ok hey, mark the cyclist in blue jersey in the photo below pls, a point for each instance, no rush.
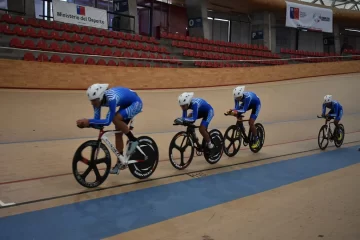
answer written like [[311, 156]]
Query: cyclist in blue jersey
[[336, 111], [130, 105], [200, 109], [245, 101]]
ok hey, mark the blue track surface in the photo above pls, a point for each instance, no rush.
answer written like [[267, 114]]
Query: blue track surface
[[108, 216]]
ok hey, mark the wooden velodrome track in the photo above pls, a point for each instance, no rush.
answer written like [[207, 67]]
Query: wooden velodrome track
[[39, 136]]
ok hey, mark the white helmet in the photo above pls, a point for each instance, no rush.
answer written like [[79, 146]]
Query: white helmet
[[185, 98], [96, 90], [327, 98], [238, 91]]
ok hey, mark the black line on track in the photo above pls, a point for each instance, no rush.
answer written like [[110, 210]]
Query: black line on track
[[154, 179]]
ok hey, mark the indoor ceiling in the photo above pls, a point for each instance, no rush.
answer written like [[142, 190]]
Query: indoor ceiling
[[341, 4]]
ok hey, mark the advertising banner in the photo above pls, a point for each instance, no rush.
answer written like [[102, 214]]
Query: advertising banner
[[81, 15], [309, 17]]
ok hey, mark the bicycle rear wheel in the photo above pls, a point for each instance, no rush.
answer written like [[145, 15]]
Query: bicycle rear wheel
[[261, 135], [91, 164], [340, 131], [146, 167], [218, 140]]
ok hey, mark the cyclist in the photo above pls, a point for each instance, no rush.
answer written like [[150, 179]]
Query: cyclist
[[130, 105], [245, 101], [200, 109], [336, 111]]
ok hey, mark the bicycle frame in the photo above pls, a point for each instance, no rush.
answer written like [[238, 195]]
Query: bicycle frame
[[328, 122], [103, 137]]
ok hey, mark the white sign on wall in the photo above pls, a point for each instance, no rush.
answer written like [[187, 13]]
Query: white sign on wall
[[309, 17], [81, 15]]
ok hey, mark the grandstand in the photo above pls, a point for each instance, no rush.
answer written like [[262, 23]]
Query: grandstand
[[34, 39]]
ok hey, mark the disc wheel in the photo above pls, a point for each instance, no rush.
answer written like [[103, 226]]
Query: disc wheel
[[146, 167], [340, 131], [261, 135], [91, 165], [216, 153]]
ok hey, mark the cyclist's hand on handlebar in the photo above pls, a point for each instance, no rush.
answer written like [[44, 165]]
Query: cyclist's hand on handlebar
[[178, 121], [82, 123]]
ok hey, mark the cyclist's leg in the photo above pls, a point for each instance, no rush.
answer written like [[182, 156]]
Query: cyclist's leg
[[204, 126], [254, 114], [126, 115], [121, 121], [336, 122]]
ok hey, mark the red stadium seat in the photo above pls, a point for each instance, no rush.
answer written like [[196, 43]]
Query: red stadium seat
[[107, 52], [54, 47], [29, 44], [101, 62], [55, 59], [65, 48], [32, 22], [79, 60], [117, 53], [90, 61], [88, 50], [29, 57], [41, 45], [98, 51], [16, 43], [31, 32], [68, 59], [20, 20], [42, 58], [111, 63]]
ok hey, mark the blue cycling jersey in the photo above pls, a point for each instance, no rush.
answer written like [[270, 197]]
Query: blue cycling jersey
[[115, 97], [249, 101], [335, 109], [200, 109]]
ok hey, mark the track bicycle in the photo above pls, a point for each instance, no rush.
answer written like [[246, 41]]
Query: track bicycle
[[237, 134], [326, 133], [142, 162], [189, 139]]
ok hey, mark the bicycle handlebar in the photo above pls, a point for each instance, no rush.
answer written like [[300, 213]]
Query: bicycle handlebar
[[187, 124], [327, 118]]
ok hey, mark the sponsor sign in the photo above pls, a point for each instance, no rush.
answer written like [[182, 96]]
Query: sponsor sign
[[309, 17], [80, 15]]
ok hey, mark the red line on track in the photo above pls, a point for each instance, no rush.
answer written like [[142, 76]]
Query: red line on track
[[65, 174]]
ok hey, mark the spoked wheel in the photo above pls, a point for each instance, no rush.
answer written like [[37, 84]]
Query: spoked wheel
[[323, 140], [218, 140], [233, 135], [88, 171], [146, 167], [338, 142], [261, 135], [181, 142]]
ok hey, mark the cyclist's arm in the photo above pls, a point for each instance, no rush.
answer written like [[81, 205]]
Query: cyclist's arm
[[237, 105], [109, 117], [335, 112], [323, 110], [246, 105], [195, 108]]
